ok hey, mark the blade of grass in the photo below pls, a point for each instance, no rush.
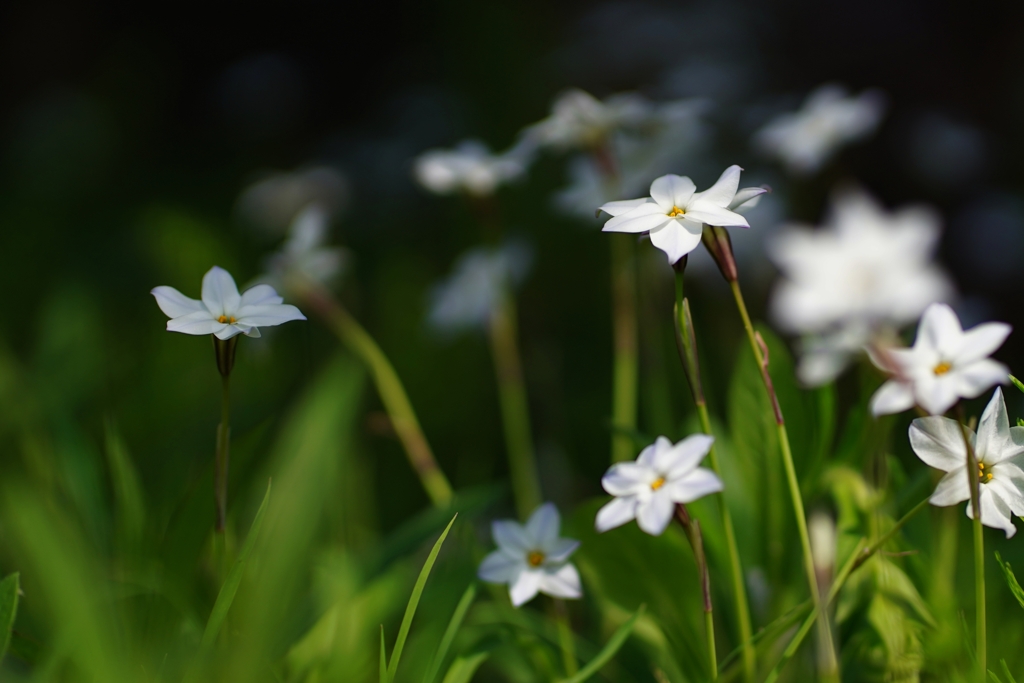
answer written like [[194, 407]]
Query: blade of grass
[[449, 633], [1006, 671], [609, 650], [383, 657], [1011, 580], [463, 668], [8, 610], [227, 592], [414, 601]]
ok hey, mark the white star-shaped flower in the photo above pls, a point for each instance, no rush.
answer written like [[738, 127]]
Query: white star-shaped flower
[[467, 298], [223, 312], [580, 120], [470, 168], [998, 447], [304, 255], [806, 139], [944, 365], [532, 558], [649, 488], [675, 213]]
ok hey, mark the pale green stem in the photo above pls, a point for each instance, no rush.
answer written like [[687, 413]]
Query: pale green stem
[[220, 468], [684, 327], [625, 366], [565, 638], [515, 411], [974, 484], [787, 458], [691, 527]]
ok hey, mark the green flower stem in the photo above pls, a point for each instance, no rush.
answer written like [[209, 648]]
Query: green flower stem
[[515, 411], [688, 352], [565, 638], [973, 484], [691, 527], [624, 337], [220, 466], [787, 454], [389, 387]]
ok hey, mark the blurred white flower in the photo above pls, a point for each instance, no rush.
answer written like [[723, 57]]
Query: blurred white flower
[[304, 256], [804, 140], [647, 490], [532, 558], [939, 442], [579, 120], [675, 214], [272, 203], [944, 365], [470, 168], [865, 272], [223, 312], [479, 279]]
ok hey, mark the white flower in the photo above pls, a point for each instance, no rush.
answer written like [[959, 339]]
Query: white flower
[[304, 254], [865, 272], [273, 203], [647, 490], [675, 214], [531, 558], [468, 296], [805, 139], [944, 365], [470, 167], [579, 120], [997, 447], [223, 312]]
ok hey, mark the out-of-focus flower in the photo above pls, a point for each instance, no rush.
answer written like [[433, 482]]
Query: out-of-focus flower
[[866, 272], [944, 365], [998, 447], [470, 168], [532, 558], [273, 203], [579, 120], [804, 140], [223, 312], [675, 213], [480, 278], [304, 256], [647, 490]]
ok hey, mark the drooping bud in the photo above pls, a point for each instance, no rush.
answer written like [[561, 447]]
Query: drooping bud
[[719, 245], [224, 351]]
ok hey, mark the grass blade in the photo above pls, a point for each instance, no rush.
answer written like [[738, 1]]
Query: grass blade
[[449, 633], [1006, 671], [608, 651], [414, 601], [1011, 580], [383, 657], [463, 668], [8, 610], [227, 592]]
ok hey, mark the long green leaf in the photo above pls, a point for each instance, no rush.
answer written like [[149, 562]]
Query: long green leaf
[[1011, 580], [131, 508], [463, 668], [608, 651], [414, 601], [449, 633], [383, 657], [227, 592], [8, 610], [1006, 671]]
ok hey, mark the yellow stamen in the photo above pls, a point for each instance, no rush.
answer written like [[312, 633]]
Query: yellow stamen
[[676, 212], [942, 368], [227, 319], [983, 476], [535, 558], [657, 483]]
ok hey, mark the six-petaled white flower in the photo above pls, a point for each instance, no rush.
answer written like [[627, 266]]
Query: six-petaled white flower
[[468, 297], [649, 488], [470, 168], [675, 213], [304, 256], [944, 365], [532, 558], [223, 312], [805, 139], [998, 448]]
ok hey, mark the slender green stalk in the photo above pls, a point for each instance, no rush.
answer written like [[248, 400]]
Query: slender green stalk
[[974, 484], [220, 466], [688, 352], [624, 337], [515, 412], [389, 387], [691, 527], [565, 638]]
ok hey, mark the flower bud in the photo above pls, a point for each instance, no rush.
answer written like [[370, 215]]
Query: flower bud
[[224, 351], [719, 245]]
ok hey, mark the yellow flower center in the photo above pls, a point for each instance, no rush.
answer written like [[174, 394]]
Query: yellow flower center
[[942, 368], [657, 483], [535, 558], [676, 212], [983, 476], [227, 319]]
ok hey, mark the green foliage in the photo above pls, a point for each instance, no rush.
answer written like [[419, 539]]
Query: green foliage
[[9, 589], [609, 650], [1011, 580]]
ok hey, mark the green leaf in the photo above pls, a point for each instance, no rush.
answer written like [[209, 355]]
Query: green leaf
[[8, 610], [608, 651], [414, 601], [463, 668], [227, 592], [1006, 671], [383, 657], [1017, 383], [1011, 580], [131, 510], [449, 633]]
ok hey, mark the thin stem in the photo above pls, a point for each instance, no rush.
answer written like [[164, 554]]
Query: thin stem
[[389, 387], [691, 527], [688, 351], [514, 407], [787, 454], [624, 338], [220, 466], [565, 638], [974, 485], [709, 629]]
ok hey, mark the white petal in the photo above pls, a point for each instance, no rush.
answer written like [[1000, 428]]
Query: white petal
[[976, 378], [640, 219], [623, 206], [253, 333], [199, 322], [684, 456], [993, 429], [174, 304], [724, 190], [220, 295], [1007, 490], [525, 587], [951, 489], [511, 537], [649, 455], [892, 397], [560, 550], [266, 315], [260, 294], [746, 198], [654, 515], [563, 583], [672, 190], [499, 567], [715, 215], [938, 394], [939, 328], [939, 443], [543, 526], [624, 478], [696, 484], [229, 331], [675, 240], [981, 342], [995, 513], [616, 513]]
